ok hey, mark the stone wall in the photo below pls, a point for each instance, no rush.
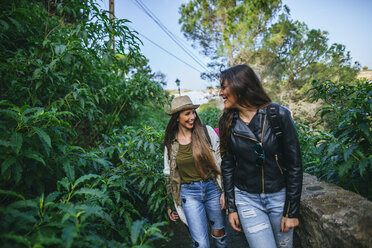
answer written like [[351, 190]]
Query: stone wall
[[332, 217]]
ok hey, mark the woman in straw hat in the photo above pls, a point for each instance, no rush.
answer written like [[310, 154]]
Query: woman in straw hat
[[192, 167]]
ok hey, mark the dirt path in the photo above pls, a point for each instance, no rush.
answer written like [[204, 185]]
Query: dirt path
[[182, 239]]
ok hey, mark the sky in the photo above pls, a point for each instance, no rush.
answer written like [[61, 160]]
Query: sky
[[349, 22]]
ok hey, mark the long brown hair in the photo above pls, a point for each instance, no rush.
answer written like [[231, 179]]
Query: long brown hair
[[201, 151], [248, 91]]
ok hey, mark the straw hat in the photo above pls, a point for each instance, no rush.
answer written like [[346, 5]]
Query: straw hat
[[181, 103]]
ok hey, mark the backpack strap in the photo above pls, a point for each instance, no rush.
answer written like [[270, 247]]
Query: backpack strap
[[207, 134], [274, 118]]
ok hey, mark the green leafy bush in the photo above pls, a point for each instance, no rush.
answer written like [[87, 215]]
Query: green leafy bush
[[101, 201], [71, 66], [139, 153], [210, 116], [33, 147], [92, 211], [71, 174], [342, 152]]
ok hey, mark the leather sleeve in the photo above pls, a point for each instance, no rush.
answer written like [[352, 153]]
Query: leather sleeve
[[228, 167], [293, 162]]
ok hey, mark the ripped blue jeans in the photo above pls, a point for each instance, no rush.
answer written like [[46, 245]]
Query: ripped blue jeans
[[261, 216], [200, 200]]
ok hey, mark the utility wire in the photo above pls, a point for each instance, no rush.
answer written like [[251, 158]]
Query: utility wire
[[169, 33], [171, 54], [148, 12]]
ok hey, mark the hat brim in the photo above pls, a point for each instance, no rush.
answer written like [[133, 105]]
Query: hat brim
[[184, 107]]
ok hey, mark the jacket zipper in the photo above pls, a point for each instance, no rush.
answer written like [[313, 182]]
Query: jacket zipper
[[262, 170], [289, 203], [277, 162], [243, 136], [263, 181]]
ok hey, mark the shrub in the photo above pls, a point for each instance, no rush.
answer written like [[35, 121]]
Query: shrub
[[59, 56], [210, 116], [71, 174], [342, 153], [108, 196]]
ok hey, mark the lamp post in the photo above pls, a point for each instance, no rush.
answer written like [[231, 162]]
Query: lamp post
[[178, 85]]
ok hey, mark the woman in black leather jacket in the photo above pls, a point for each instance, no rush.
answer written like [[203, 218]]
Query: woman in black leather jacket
[[261, 161]]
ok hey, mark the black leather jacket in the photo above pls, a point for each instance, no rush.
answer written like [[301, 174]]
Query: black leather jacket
[[282, 166]]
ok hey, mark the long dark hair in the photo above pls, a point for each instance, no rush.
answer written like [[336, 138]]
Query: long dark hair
[[201, 151], [248, 91]]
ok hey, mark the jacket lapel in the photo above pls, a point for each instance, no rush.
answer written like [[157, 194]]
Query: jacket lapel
[[242, 129]]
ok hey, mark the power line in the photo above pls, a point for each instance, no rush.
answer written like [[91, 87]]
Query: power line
[[171, 54], [148, 12], [169, 33]]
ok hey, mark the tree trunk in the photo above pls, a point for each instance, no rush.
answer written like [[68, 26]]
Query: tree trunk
[[291, 91], [231, 62]]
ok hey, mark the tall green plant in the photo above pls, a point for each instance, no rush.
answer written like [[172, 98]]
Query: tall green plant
[[342, 152], [139, 153], [33, 147], [63, 93], [92, 211], [210, 116], [60, 56]]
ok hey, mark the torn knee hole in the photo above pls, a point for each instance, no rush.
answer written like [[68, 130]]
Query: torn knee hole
[[284, 244], [218, 233]]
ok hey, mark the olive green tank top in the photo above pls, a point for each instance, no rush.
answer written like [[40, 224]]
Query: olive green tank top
[[186, 165]]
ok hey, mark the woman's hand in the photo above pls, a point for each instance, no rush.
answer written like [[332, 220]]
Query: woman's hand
[[288, 223], [173, 215], [234, 221], [222, 201]]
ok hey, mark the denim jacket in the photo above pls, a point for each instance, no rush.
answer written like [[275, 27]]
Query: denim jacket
[[173, 177]]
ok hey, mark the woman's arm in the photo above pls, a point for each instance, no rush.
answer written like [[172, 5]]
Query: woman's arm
[[173, 215], [166, 169], [292, 158], [228, 167], [215, 142], [166, 172]]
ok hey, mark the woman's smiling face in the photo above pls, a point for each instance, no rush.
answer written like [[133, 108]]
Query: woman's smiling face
[[186, 118], [229, 99]]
